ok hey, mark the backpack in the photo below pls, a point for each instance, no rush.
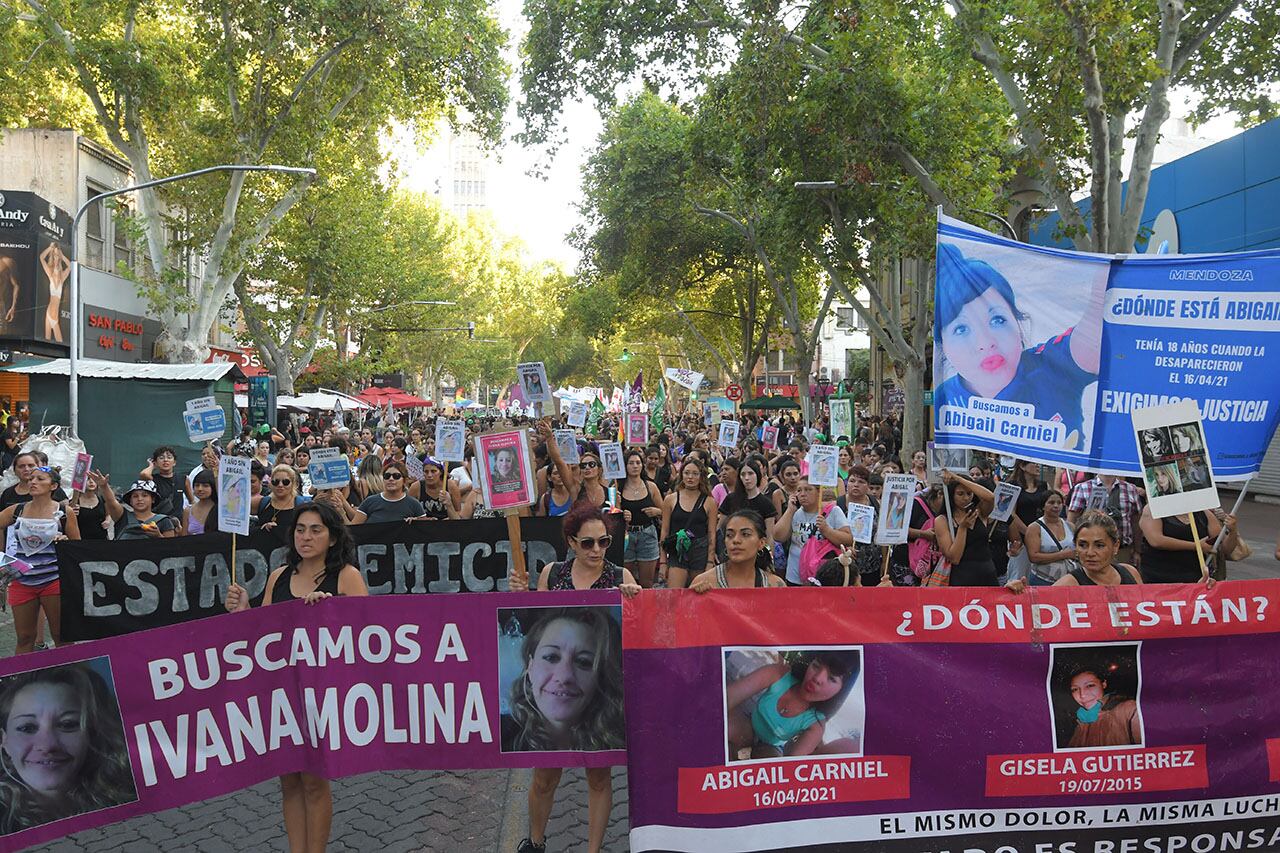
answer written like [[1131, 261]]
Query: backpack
[[816, 551], [923, 555]]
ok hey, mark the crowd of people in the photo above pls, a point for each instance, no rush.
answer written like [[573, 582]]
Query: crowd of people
[[697, 515]]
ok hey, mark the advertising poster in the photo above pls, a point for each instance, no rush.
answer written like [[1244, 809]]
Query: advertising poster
[[1114, 730], [824, 465], [567, 442], [613, 464], [1175, 459], [1006, 500], [842, 420], [234, 494], [637, 431], [533, 383], [451, 440], [1044, 353], [356, 685], [506, 469], [17, 283], [729, 434], [895, 509]]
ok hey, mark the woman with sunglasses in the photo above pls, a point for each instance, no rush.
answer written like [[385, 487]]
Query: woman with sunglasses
[[582, 481], [585, 531], [276, 513], [393, 504]]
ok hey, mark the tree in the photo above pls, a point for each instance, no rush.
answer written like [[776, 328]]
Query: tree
[[176, 86], [1082, 77]]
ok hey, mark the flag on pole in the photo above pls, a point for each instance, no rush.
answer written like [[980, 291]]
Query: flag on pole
[[657, 411], [594, 416], [637, 391]]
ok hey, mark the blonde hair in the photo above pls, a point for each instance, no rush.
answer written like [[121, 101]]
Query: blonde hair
[[293, 476]]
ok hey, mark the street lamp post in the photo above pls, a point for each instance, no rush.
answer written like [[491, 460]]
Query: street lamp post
[[75, 337]]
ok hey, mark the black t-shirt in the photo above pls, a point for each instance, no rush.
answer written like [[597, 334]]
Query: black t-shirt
[[10, 497], [759, 503], [168, 496]]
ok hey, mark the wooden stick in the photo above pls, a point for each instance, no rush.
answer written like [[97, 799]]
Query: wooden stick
[[884, 563], [233, 558], [518, 567], [1195, 534]]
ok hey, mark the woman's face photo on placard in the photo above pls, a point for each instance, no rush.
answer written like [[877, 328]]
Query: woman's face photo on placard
[[1163, 480], [1094, 694], [1156, 445], [62, 745], [560, 679], [1186, 438], [785, 702]]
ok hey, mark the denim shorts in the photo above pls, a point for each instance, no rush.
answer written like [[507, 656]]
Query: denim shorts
[[642, 544]]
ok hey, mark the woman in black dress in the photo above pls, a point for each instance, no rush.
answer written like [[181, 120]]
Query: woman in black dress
[[969, 548]]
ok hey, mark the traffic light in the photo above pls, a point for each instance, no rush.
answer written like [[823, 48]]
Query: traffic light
[[626, 355], [471, 330]]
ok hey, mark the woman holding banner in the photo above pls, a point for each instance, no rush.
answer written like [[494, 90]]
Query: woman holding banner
[[1097, 543], [31, 529], [594, 721], [968, 549], [320, 564], [1169, 547], [745, 536]]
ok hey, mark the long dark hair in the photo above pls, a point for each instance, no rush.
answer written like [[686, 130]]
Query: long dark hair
[[844, 663], [341, 553], [206, 478], [738, 497]]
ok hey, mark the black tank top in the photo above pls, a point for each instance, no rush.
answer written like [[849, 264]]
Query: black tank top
[[282, 592], [1161, 566], [637, 508], [695, 522], [1082, 577]]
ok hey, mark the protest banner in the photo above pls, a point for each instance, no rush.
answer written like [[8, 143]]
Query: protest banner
[[577, 414], [824, 465], [728, 434], [1175, 459], [451, 440], [533, 383], [234, 494], [637, 432], [842, 419], [506, 469], [111, 588], [1173, 327], [80, 473], [1167, 756], [414, 466], [353, 685], [204, 419], [567, 442], [1006, 500], [613, 464], [685, 378], [328, 468], [895, 503]]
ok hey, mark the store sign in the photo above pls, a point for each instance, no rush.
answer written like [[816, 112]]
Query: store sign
[[117, 336]]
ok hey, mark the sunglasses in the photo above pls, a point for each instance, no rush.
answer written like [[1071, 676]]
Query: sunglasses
[[589, 464], [282, 482], [395, 476], [588, 543]]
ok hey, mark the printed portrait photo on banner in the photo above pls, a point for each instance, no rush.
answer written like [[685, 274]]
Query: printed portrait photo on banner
[[612, 464], [560, 679], [1008, 328], [789, 702], [1094, 696], [62, 745]]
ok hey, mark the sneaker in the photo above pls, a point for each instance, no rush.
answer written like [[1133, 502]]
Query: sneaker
[[527, 846]]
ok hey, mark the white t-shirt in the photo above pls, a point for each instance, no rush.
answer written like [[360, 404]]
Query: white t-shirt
[[460, 476], [803, 526]]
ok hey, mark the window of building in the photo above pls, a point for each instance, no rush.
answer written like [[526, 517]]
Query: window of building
[[95, 231], [123, 253], [848, 318]]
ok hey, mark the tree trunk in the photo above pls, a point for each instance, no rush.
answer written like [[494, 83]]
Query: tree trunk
[[913, 413]]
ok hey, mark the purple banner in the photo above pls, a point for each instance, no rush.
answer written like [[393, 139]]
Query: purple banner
[[111, 729]]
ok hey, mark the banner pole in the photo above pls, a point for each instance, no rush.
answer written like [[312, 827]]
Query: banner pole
[[1235, 508], [233, 558], [946, 497], [518, 567], [1195, 534]]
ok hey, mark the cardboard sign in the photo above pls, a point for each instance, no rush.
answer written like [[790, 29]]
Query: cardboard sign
[[80, 474], [505, 466], [1175, 459], [895, 509], [567, 442], [204, 420], [234, 494], [637, 429], [947, 459], [729, 434], [414, 466], [862, 521], [613, 464], [769, 437], [1006, 500], [577, 414], [451, 440], [533, 382], [328, 468], [824, 465], [841, 419]]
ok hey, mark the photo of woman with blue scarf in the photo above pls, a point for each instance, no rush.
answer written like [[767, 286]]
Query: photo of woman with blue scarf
[[1093, 693], [982, 348]]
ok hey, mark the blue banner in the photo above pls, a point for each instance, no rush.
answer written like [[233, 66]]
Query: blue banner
[[1043, 353]]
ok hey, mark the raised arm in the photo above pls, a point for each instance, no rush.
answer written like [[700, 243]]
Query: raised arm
[[103, 482]]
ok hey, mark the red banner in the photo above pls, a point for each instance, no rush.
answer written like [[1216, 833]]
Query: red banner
[[718, 790], [1168, 768]]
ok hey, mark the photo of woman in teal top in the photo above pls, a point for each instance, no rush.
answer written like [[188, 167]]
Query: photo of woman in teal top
[[794, 700]]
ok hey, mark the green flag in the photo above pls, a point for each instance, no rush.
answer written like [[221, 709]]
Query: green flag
[[657, 410], [594, 416]]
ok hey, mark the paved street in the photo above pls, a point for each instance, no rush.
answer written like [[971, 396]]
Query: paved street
[[411, 811]]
